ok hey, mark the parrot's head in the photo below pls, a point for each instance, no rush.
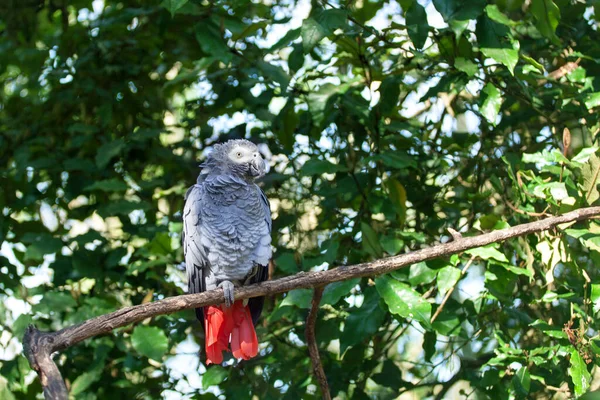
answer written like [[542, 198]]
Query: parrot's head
[[240, 157]]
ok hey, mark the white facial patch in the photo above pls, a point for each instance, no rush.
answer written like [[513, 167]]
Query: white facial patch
[[241, 155]]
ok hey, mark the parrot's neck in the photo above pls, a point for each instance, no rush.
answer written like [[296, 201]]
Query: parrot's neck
[[217, 177]]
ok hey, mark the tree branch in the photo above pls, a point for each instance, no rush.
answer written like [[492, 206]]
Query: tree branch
[[40, 345], [313, 348]]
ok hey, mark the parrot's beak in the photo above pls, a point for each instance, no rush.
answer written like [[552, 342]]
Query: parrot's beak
[[257, 167]]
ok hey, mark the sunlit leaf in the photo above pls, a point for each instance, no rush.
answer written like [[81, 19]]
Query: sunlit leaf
[[447, 277], [300, 298], [497, 43], [466, 66], [213, 376], [487, 252], [591, 178], [579, 373], [492, 101], [403, 300], [150, 341], [421, 274]]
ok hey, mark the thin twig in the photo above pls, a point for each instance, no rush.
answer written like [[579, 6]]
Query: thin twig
[[528, 213], [449, 292], [38, 344], [313, 348]]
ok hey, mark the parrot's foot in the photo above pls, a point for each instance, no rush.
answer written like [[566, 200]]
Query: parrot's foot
[[227, 292]]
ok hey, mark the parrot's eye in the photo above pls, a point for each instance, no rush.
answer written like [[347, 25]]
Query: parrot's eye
[[238, 154]]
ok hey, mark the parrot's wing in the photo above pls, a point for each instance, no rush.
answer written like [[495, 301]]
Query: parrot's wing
[[193, 250], [256, 303], [266, 206]]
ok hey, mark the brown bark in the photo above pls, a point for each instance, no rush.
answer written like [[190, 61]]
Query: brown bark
[[313, 347]]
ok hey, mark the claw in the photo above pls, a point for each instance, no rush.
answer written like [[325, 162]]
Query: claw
[[227, 292]]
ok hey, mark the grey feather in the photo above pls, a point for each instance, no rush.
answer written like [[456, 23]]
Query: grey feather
[[227, 223]]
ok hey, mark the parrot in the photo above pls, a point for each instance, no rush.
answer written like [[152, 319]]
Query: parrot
[[227, 243]]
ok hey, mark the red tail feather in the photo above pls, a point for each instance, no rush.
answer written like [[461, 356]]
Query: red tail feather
[[223, 325]]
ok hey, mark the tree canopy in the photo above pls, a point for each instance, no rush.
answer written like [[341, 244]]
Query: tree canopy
[[385, 124]]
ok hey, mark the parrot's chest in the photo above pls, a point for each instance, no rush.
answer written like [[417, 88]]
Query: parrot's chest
[[234, 226]]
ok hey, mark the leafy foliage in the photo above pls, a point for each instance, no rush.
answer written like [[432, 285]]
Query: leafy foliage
[[385, 123]]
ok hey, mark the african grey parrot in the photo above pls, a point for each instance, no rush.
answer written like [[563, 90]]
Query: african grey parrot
[[227, 243]]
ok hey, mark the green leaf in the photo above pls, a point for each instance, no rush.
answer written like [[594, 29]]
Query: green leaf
[[20, 325], [161, 244], [334, 292], [429, 342], [173, 5], [56, 302], [389, 94], [447, 278], [44, 244], [370, 240], [397, 196], [150, 341], [416, 25], [107, 151], [545, 157], [533, 63], [584, 155], [466, 66], [403, 300], [5, 392], [212, 43], [318, 167], [286, 262], [595, 297], [312, 32], [579, 373], [459, 10], [390, 376], [592, 100], [591, 179], [84, 381], [121, 207], [420, 274], [275, 73], [108, 185], [496, 42], [487, 252], [286, 40], [285, 124], [447, 324], [363, 322], [391, 245], [492, 101], [547, 16], [296, 58], [552, 331], [522, 382], [214, 375], [300, 298], [518, 271], [324, 23], [396, 159], [494, 13]]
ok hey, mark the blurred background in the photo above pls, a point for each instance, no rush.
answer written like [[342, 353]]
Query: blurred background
[[383, 123]]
